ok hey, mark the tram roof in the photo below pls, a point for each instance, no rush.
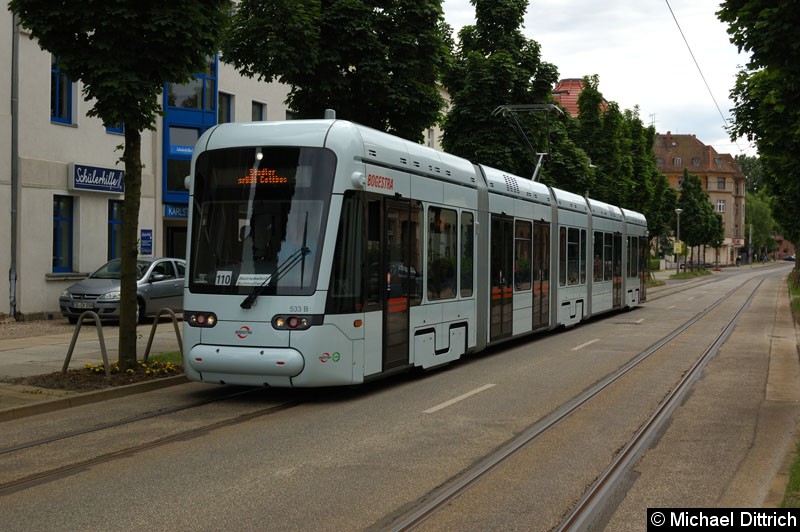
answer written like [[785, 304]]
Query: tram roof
[[502, 182], [605, 210]]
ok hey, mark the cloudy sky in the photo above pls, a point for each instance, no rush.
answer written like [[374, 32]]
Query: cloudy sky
[[636, 48]]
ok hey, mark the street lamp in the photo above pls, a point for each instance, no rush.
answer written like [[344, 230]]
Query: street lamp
[[677, 242]]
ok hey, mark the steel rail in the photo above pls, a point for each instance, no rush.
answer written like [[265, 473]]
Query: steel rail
[[438, 499], [590, 506]]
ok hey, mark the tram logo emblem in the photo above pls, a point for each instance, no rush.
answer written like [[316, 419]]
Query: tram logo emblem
[[324, 357], [243, 332]]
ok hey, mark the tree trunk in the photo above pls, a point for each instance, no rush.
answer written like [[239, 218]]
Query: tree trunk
[[132, 157]]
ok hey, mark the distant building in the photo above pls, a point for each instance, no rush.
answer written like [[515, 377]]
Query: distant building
[[566, 94], [722, 179]]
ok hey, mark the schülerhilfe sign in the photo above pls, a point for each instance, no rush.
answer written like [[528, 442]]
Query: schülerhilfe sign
[[96, 179]]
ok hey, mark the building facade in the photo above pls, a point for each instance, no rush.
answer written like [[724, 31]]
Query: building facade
[[61, 180], [722, 179]]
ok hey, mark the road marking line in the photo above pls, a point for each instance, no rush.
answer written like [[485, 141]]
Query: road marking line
[[640, 320], [673, 306], [457, 399], [590, 342]]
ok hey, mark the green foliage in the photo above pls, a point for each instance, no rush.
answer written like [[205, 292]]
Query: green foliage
[[751, 167], [696, 216], [377, 64], [124, 53], [759, 216], [767, 96], [152, 368], [621, 151], [495, 65]]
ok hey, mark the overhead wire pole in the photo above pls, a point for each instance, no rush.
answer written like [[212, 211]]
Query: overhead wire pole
[[511, 110]]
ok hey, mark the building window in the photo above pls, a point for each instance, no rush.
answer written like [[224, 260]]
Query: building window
[[695, 161], [116, 129], [191, 108], [62, 234], [60, 94], [721, 205], [258, 113], [198, 93], [720, 183], [181, 146], [225, 109], [676, 161], [659, 161], [114, 229]]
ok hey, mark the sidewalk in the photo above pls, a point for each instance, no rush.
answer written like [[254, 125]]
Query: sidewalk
[[35, 355]]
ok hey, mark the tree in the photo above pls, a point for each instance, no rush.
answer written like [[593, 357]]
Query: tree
[[621, 150], [759, 216], [767, 97], [495, 64], [377, 63], [124, 53], [751, 167], [696, 221]]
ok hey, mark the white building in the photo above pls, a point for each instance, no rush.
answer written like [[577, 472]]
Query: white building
[[65, 169], [67, 175]]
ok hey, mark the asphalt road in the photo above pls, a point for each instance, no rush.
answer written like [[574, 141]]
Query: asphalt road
[[349, 459]]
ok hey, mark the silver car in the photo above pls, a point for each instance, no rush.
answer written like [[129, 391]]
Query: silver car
[[159, 285]]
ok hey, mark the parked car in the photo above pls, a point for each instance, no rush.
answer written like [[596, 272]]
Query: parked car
[[792, 258], [159, 284]]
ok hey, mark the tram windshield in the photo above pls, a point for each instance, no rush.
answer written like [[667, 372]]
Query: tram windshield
[[258, 217]]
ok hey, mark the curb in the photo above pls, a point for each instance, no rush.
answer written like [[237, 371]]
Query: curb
[[81, 399]]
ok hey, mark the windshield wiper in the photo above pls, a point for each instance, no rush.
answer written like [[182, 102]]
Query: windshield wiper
[[298, 257]]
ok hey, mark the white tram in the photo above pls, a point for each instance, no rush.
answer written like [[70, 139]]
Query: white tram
[[326, 253]]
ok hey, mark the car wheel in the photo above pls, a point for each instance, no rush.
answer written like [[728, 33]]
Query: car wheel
[[140, 311], [72, 320]]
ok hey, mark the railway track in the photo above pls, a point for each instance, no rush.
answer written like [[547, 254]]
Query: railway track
[[47, 474], [595, 501]]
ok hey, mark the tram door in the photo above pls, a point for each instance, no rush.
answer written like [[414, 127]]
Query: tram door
[[541, 275], [617, 285], [400, 282], [502, 275]]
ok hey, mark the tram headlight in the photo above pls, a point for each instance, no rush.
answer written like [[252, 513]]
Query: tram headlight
[[201, 319], [294, 323]]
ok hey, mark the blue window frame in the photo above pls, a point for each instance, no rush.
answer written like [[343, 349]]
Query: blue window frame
[[60, 94], [114, 229], [191, 108], [116, 129], [62, 234]]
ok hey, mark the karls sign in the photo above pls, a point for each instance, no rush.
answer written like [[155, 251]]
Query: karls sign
[[96, 179]]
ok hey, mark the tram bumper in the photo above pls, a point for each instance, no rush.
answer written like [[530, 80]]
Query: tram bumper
[[248, 366]]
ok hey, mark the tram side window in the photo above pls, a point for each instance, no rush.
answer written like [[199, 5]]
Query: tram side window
[[562, 256], [467, 253], [347, 273], [573, 255], [608, 256], [522, 255], [598, 257], [582, 266], [644, 255], [633, 257], [442, 253]]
